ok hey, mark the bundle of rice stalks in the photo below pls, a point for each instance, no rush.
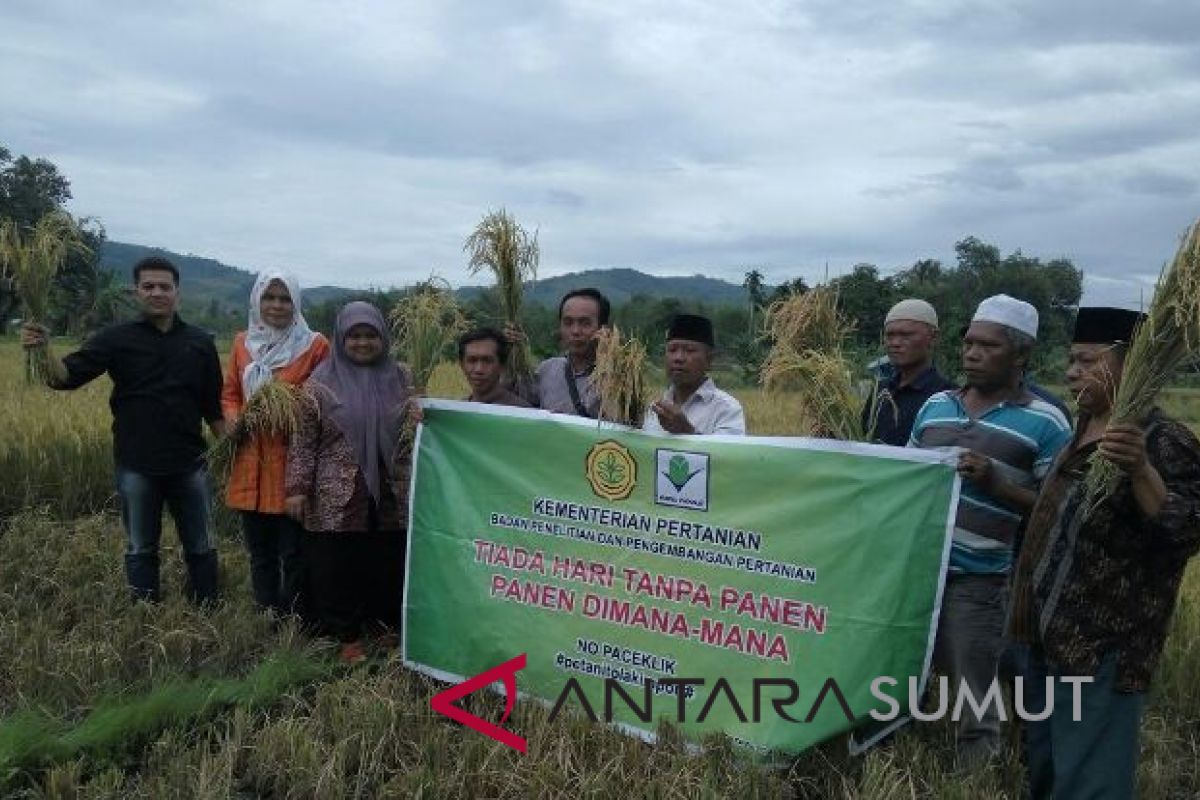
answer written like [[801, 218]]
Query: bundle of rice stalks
[[31, 260], [807, 321], [425, 322], [501, 245], [1169, 335], [807, 361], [619, 378], [271, 412]]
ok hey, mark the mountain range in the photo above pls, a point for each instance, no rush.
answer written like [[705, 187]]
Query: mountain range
[[206, 280]]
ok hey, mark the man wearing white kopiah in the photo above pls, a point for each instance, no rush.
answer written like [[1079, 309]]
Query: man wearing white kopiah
[[1010, 438], [910, 332], [693, 403]]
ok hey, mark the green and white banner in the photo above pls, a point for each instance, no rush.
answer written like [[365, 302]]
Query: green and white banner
[[613, 556]]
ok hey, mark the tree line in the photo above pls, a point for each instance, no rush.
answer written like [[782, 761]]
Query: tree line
[[864, 296], [86, 296]]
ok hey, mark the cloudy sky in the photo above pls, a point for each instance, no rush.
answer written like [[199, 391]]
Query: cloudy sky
[[358, 142]]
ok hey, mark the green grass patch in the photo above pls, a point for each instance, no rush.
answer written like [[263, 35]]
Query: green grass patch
[[119, 723]]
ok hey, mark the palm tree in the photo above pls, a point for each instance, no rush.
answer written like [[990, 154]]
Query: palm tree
[[753, 284], [112, 301]]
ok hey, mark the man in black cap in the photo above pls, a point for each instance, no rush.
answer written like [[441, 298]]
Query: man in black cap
[[693, 403], [1093, 593]]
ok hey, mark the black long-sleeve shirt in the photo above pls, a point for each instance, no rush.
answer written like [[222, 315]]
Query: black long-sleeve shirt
[[164, 385]]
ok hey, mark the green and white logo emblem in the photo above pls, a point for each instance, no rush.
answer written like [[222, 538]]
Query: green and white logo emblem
[[681, 479]]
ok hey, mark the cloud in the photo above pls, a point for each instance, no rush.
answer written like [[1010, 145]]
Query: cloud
[[359, 143], [1164, 184]]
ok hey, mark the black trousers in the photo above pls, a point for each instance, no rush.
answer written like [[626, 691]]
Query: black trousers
[[277, 573], [356, 580]]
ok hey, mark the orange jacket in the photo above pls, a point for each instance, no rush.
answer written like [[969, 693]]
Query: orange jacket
[[256, 480]]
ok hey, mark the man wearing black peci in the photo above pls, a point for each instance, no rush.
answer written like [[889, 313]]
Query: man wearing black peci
[[1093, 592]]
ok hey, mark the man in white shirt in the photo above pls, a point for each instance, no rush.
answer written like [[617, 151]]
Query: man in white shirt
[[693, 403]]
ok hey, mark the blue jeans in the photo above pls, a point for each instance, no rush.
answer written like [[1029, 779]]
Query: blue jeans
[[1095, 757], [186, 496]]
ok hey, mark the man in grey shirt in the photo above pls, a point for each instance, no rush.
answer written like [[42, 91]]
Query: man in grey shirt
[[563, 384]]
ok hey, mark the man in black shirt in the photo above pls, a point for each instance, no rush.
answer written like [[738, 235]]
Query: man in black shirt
[[909, 332], [166, 378]]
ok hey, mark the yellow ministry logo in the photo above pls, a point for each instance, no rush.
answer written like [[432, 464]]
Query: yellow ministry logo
[[611, 470]]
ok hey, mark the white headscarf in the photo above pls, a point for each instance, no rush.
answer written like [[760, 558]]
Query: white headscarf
[[272, 348]]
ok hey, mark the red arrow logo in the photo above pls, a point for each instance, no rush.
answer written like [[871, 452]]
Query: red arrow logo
[[443, 702]]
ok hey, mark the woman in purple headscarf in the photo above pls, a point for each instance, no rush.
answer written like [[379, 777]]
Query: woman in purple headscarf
[[342, 481]]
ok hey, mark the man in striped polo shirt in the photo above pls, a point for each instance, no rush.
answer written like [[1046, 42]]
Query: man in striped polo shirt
[[1009, 439]]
